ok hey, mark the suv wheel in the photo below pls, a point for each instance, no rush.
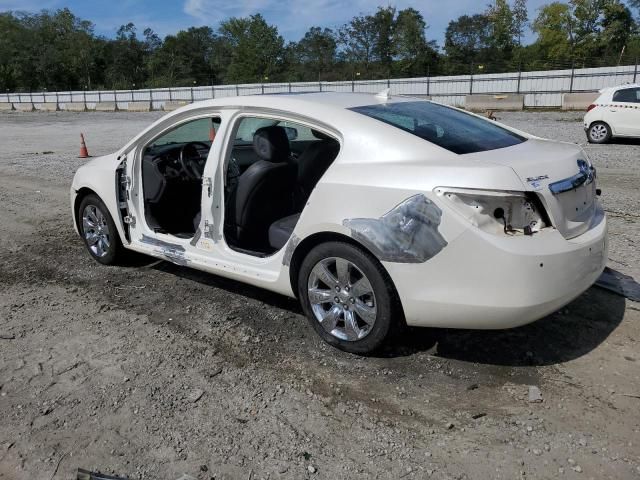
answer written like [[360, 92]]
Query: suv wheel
[[599, 132]]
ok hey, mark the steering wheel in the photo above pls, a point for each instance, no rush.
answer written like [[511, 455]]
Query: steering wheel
[[191, 162]]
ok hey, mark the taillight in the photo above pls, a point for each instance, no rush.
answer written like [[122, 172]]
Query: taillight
[[591, 107]]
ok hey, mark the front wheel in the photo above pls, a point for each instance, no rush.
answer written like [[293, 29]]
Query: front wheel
[[98, 231], [599, 132], [347, 297]]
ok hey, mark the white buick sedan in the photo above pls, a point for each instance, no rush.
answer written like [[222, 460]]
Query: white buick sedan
[[374, 211]]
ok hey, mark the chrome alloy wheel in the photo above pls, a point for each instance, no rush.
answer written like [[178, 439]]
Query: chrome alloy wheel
[[342, 299], [598, 132], [96, 230]]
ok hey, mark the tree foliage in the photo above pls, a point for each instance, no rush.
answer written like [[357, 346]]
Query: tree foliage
[[56, 50]]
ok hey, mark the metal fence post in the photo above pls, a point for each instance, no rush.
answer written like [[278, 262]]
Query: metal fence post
[[191, 90], [635, 71], [519, 77], [30, 96], [471, 81], [573, 69], [353, 86], [150, 99], [99, 96], [262, 88], [213, 92], [57, 102], [237, 91], [289, 87], [170, 94], [428, 81]]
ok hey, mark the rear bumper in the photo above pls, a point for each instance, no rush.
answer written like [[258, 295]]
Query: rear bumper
[[483, 281]]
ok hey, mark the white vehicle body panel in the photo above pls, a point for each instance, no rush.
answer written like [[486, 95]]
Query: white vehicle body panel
[[476, 280], [622, 116]]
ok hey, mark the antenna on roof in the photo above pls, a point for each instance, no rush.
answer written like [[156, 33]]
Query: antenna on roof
[[384, 94]]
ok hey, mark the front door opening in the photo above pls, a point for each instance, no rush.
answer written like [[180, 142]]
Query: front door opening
[[172, 168]]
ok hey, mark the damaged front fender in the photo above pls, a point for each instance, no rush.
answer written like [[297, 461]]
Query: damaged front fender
[[407, 233]]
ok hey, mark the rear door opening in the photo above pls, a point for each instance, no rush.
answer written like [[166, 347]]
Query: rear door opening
[[272, 168]]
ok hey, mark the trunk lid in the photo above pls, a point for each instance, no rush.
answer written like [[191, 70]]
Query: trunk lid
[[559, 173]]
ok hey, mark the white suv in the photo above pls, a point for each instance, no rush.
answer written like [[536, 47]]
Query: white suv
[[616, 113]]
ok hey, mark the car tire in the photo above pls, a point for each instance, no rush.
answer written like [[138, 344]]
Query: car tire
[[599, 132], [348, 297], [98, 231]]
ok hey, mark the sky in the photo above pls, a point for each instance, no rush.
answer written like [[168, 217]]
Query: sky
[[292, 17]]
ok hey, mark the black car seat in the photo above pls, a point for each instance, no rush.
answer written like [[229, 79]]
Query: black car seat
[[264, 192], [312, 164]]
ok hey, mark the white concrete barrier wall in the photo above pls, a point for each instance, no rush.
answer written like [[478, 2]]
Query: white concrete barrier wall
[[578, 101], [73, 107], [23, 107], [171, 106], [47, 107], [482, 103], [107, 107], [139, 107], [6, 107]]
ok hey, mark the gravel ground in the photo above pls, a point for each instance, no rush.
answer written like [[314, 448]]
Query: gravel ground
[[154, 371]]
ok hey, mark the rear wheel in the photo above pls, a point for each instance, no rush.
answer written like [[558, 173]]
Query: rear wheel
[[98, 231], [347, 297], [599, 132]]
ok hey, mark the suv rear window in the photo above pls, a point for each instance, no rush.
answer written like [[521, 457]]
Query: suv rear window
[[627, 95], [456, 131]]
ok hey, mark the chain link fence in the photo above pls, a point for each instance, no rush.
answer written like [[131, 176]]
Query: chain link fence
[[540, 88]]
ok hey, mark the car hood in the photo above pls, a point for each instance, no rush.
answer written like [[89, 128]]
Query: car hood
[[542, 163]]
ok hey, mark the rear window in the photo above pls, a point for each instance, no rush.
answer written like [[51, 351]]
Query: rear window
[[446, 127], [631, 95]]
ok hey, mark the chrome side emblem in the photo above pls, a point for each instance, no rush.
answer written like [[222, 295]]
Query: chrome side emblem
[[586, 174]]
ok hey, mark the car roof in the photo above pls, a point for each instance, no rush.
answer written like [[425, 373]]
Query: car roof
[[619, 87], [337, 100]]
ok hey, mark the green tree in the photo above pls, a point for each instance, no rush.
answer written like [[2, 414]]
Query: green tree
[[467, 41], [317, 51], [617, 27], [553, 27], [357, 40], [256, 49], [502, 39], [384, 24], [126, 56], [414, 53]]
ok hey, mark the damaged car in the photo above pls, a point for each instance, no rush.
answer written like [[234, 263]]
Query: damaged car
[[375, 211]]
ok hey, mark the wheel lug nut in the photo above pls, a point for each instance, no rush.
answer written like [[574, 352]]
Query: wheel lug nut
[[352, 300], [348, 289], [337, 288], [337, 300]]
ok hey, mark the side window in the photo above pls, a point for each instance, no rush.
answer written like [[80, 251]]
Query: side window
[[630, 95], [202, 130], [248, 127]]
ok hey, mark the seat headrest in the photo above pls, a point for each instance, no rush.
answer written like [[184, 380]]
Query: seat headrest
[[272, 144]]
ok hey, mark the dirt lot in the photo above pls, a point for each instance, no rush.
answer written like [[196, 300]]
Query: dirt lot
[[154, 371]]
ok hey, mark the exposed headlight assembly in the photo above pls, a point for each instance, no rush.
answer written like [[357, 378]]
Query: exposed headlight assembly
[[496, 212]]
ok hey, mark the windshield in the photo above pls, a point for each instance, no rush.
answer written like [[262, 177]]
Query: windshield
[[446, 127]]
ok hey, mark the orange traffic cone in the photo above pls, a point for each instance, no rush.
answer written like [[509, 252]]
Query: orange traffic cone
[[212, 134], [84, 153]]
